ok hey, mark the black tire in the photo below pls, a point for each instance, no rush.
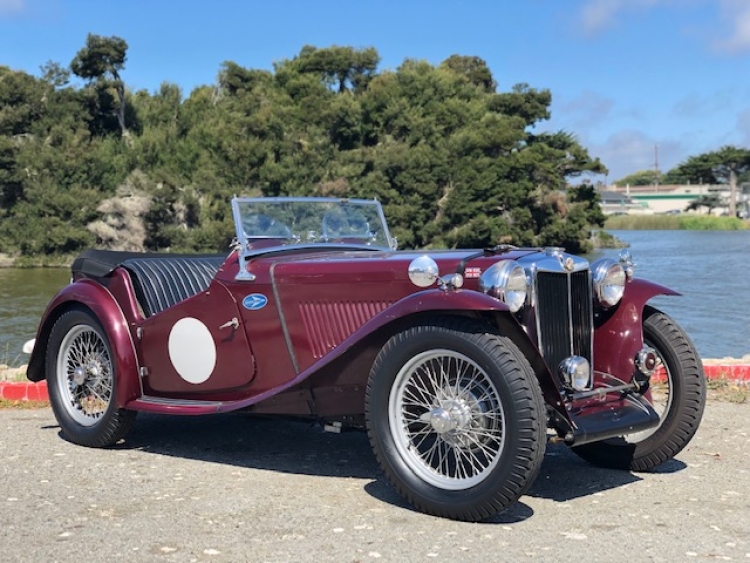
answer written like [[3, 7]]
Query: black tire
[[681, 403], [81, 380], [456, 418]]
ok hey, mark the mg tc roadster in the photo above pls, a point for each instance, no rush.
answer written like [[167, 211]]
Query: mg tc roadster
[[460, 364]]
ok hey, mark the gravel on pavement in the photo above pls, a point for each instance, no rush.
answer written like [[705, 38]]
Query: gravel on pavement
[[236, 488]]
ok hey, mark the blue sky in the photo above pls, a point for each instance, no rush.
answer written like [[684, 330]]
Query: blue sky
[[626, 76]]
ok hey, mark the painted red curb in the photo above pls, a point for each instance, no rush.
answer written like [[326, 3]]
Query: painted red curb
[[23, 391], [730, 372], [27, 391]]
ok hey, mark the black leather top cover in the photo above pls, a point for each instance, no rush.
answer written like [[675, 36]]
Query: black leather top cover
[[160, 280]]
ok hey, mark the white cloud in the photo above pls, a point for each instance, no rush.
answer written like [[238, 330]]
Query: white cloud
[[737, 14], [587, 110], [716, 103], [629, 151], [598, 15], [11, 7], [626, 152]]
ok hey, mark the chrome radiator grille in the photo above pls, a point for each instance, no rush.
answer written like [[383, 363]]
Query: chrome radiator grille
[[564, 316]]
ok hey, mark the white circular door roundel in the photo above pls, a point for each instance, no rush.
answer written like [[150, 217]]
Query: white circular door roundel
[[192, 350]]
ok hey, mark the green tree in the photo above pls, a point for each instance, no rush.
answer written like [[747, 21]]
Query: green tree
[[454, 161], [235, 79], [55, 75], [641, 178], [341, 67], [474, 69], [22, 106], [53, 173], [709, 201], [523, 101], [100, 62]]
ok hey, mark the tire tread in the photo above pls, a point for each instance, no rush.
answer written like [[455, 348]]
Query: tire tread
[[524, 390], [116, 422]]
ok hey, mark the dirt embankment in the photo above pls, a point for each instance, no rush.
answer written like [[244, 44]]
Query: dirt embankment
[[5, 260]]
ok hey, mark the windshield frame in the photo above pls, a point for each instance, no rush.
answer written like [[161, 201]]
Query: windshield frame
[[249, 246]]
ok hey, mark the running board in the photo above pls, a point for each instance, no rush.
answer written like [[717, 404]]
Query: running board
[[161, 405]]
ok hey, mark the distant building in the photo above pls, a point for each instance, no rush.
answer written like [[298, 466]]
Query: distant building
[[615, 202], [669, 198]]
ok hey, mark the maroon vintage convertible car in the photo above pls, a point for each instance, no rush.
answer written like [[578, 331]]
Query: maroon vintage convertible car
[[461, 364]]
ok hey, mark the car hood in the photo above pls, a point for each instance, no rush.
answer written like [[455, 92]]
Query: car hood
[[375, 266]]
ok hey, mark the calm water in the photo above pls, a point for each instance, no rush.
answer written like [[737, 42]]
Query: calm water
[[24, 295], [708, 267]]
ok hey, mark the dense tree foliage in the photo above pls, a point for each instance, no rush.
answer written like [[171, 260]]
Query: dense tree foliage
[[100, 63], [709, 201], [454, 161], [642, 178]]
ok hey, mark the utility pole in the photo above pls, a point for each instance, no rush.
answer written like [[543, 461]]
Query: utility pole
[[656, 164]]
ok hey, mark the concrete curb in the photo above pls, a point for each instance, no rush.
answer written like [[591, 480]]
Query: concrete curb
[[27, 391]]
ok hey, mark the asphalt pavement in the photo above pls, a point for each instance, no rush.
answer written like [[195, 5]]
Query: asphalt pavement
[[233, 488]]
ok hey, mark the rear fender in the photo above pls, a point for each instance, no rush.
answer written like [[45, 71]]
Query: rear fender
[[619, 336], [87, 294]]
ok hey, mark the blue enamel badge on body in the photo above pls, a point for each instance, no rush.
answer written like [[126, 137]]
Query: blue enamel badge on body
[[254, 301]]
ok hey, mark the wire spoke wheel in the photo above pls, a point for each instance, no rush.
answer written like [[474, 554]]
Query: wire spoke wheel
[[447, 418], [456, 418], [84, 375], [81, 378]]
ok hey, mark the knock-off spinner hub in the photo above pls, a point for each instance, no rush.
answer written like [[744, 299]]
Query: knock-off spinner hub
[[79, 375], [452, 415]]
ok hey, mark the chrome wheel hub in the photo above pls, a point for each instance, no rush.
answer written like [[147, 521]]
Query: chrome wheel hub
[[79, 375], [453, 420], [441, 420], [447, 419]]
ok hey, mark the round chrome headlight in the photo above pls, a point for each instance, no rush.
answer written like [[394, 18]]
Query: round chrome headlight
[[608, 278], [423, 271], [576, 372], [507, 282]]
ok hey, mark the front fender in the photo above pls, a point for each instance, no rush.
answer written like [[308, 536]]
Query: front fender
[[439, 300], [431, 300], [619, 337], [93, 296]]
